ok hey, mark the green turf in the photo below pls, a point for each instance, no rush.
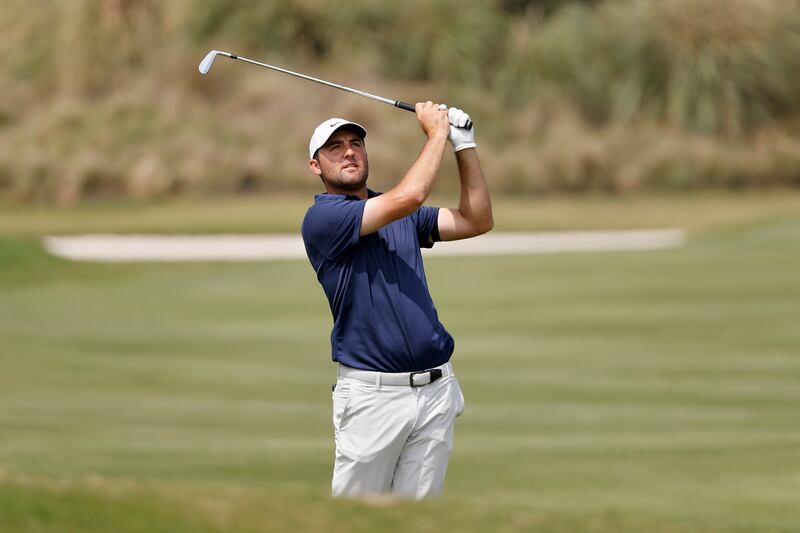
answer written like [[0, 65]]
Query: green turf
[[651, 391], [282, 213]]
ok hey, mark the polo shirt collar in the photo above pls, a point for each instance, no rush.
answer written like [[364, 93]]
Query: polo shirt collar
[[327, 196]]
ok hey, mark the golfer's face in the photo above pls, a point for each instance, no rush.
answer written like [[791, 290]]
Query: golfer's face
[[343, 161]]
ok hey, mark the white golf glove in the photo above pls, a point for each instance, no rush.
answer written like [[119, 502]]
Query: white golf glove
[[460, 137]]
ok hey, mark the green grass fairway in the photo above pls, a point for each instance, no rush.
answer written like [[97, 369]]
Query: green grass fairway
[[283, 212], [615, 392]]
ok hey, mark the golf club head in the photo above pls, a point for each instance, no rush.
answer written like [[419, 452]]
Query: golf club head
[[205, 64]]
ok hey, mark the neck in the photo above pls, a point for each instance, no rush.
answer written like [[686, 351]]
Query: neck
[[361, 193]]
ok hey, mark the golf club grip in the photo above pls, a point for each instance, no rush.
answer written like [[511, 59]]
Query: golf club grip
[[403, 105], [409, 107]]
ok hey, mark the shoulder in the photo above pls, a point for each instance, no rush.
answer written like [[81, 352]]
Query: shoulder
[[323, 207], [331, 213]]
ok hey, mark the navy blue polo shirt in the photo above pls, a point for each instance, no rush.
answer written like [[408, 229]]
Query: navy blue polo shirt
[[383, 315]]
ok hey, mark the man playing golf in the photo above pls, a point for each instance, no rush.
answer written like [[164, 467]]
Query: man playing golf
[[396, 397]]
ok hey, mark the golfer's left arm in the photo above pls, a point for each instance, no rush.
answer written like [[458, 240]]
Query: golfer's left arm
[[474, 214]]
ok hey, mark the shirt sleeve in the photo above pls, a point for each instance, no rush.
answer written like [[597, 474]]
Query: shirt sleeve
[[427, 221], [331, 228]]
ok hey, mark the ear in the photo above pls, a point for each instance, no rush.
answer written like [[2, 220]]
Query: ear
[[314, 166]]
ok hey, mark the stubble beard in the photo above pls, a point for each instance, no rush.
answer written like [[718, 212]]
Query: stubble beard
[[346, 183]]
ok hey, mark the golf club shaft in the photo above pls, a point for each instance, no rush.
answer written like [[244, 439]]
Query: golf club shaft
[[395, 103]]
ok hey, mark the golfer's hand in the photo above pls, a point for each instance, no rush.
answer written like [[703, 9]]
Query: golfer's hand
[[460, 137], [432, 119]]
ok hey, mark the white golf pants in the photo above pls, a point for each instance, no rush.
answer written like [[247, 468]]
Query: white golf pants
[[393, 438]]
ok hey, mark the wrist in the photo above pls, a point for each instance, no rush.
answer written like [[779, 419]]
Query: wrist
[[464, 145], [437, 136]]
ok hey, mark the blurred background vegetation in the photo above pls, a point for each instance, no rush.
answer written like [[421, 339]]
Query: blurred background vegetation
[[102, 98]]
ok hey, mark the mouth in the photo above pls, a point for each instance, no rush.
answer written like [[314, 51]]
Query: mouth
[[349, 165]]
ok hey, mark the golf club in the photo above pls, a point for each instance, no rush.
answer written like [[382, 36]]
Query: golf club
[[205, 66]]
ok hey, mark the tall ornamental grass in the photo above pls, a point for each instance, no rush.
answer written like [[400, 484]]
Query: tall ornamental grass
[[102, 97], [710, 66]]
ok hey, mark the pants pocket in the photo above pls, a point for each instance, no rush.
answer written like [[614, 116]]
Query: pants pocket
[[459, 397], [341, 397]]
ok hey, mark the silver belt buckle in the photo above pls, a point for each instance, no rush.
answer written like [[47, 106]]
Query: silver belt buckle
[[433, 375], [411, 378]]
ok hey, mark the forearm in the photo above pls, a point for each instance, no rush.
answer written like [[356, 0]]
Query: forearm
[[418, 181], [475, 202], [408, 195]]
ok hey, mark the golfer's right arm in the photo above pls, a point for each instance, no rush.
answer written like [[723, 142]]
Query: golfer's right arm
[[409, 195]]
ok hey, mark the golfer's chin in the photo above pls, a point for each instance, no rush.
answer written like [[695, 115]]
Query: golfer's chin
[[350, 180]]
